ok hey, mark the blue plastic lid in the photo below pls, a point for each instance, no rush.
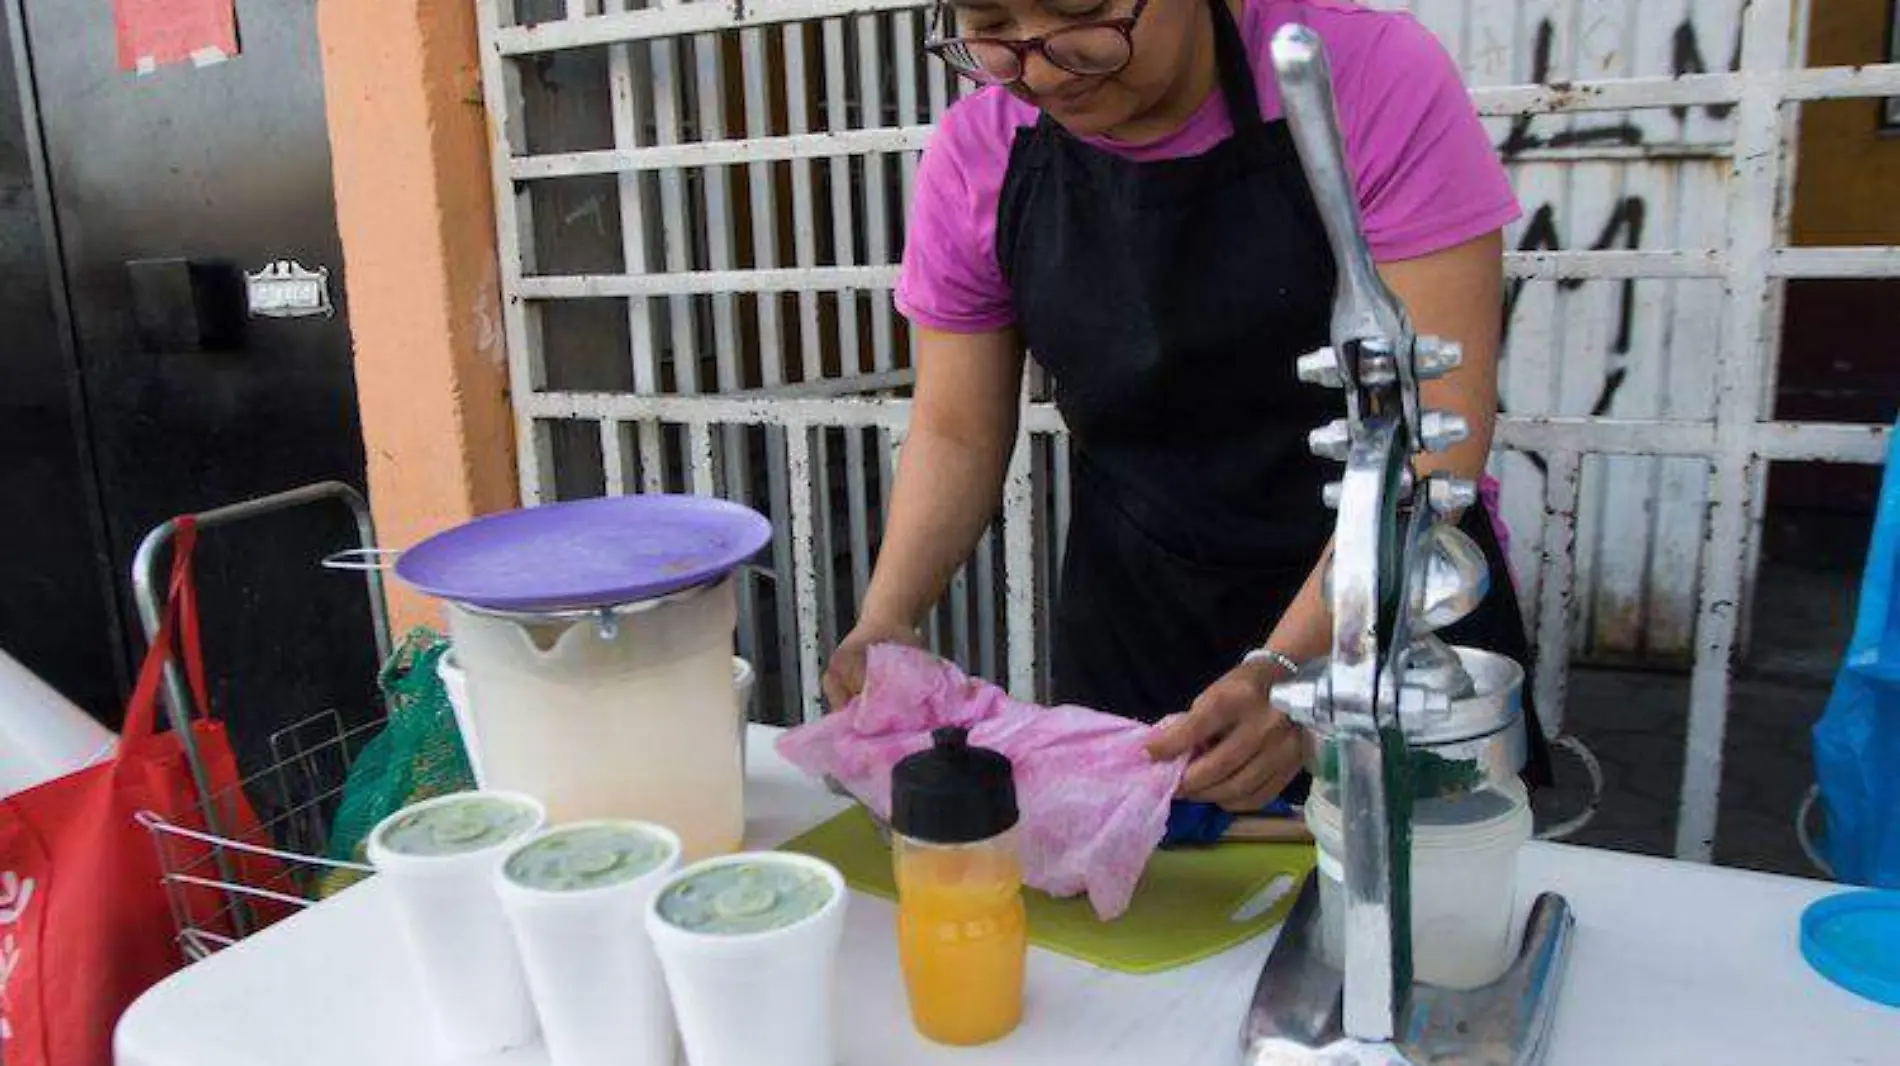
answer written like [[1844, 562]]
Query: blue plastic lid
[[1853, 940]]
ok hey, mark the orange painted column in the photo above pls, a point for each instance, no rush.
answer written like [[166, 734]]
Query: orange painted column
[[409, 141]]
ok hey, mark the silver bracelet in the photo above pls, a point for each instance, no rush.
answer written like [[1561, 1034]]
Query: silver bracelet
[[1277, 658]]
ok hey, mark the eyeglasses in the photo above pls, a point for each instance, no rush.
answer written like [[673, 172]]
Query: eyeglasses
[[1091, 49]]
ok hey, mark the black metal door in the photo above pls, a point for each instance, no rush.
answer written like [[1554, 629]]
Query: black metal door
[[55, 574], [166, 188]]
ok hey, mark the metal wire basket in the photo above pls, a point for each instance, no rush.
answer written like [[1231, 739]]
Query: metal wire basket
[[224, 883], [222, 888]]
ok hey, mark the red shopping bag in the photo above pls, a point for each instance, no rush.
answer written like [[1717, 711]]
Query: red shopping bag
[[86, 925]]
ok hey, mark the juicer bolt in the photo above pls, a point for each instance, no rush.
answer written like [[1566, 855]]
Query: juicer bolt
[[1435, 357], [1320, 368], [1440, 430], [1450, 495], [1331, 441]]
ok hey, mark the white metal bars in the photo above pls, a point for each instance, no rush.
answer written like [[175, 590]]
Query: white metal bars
[[712, 224], [1758, 215], [1734, 443]]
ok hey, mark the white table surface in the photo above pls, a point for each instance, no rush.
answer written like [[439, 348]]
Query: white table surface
[[1674, 964]]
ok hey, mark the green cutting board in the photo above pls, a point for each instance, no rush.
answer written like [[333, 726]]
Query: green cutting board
[[1192, 903]]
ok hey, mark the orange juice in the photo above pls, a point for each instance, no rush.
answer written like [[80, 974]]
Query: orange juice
[[962, 938]]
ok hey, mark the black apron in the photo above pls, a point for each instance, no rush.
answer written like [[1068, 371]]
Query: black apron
[[1169, 300]]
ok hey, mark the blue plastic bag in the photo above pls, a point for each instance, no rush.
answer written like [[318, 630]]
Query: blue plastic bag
[[1857, 740]]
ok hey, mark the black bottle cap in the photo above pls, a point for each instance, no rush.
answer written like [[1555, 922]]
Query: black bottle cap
[[952, 793]]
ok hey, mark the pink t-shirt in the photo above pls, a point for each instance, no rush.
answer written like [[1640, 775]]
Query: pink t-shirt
[[1427, 176]]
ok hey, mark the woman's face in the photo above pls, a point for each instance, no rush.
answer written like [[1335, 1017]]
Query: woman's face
[[1165, 39]]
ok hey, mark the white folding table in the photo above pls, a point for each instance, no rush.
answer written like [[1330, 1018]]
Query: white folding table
[[1674, 965]]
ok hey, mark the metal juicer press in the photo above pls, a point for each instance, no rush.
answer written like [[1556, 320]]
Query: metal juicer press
[[1393, 713]]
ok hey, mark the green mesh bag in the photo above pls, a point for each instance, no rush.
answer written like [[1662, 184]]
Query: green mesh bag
[[417, 755]]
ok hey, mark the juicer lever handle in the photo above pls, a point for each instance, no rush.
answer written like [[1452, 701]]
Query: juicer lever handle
[[1365, 312]]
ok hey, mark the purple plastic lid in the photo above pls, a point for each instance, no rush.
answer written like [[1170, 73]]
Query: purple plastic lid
[[586, 553]]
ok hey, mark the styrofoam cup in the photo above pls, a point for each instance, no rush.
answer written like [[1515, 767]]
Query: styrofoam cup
[[742, 999], [596, 983], [459, 939]]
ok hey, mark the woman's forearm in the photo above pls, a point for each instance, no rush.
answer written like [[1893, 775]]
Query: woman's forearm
[[1304, 631], [947, 490], [1305, 628], [950, 471], [1452, 294]]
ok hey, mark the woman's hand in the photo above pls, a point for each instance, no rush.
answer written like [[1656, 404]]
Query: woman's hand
[[844, 673], [1245, 752]]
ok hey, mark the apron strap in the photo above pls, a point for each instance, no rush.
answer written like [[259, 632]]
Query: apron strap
[[1237, 85]]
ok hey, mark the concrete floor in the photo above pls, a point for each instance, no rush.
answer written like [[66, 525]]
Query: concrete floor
[[1634, 723]]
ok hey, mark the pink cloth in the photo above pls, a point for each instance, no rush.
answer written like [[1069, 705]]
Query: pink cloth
[[1427, 176], [1094, 805]]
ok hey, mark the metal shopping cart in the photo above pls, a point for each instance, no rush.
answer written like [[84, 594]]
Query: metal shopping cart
[[223, 884]]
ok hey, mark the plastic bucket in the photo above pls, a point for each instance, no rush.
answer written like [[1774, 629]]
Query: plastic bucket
[[1464, 882], [626, 713], [455, 683], [744, 680]]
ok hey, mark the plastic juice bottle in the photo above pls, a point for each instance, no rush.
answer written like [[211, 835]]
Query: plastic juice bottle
[[961, 933]]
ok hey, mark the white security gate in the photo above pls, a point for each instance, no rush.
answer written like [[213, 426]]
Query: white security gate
[[700, 204]]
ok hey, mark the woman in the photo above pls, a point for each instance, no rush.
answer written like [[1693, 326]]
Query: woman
[[1121, 203]]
